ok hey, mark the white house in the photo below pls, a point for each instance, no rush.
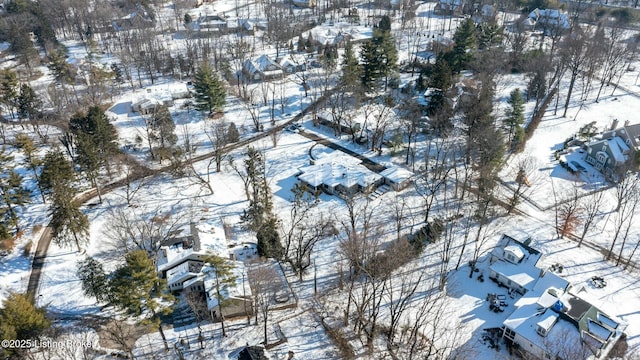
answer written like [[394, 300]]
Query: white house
[[514, 264], [550, 19], [550, 318], [396, 177], [293, 63], [261, 68], [338, 174]]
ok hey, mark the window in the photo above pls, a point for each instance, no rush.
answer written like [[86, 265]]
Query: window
[[602, 157], [509, 334]]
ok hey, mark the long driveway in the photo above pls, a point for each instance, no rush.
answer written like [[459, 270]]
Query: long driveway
[[46, 236]]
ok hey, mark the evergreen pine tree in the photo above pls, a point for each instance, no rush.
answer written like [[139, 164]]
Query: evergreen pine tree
[[68, 223], [351, 70], [465, 40], [95, 143], [269, 244], [371, 65], [162, 133], [9, 90], [515, 117], [310, 44], [59, 66], [379, 59], [209, 90], [94, 279], [56, 172], [13, 195], [136, 288], [29, 104], [20, 319], [31, 159]]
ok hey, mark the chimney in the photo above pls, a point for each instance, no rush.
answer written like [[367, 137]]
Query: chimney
[[196, 237], [614, 124], [626, 123]]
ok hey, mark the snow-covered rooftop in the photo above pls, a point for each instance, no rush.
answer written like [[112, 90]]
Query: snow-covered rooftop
[[396, 174], [333, 174], [619, 149]]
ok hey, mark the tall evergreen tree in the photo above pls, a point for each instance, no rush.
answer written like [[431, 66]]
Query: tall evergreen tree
[[13, 195], [136, 288], [379, 59], [351, 70], [465, 41], [269, 244], [29, 104], [95, 142], [260, 204], [20, 319], [69, 224], [94, 279], [515, 118], [9, 90], [209, 90], [31, 159], [56, 172], [161, 132], [60, 68]]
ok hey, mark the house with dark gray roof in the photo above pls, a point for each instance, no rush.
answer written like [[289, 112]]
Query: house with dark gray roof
[[616, 150]]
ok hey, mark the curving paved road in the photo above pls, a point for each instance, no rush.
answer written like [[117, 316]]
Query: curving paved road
[[46, 236]]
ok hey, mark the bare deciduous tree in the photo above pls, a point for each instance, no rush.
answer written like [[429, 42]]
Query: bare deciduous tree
[[265, 283]]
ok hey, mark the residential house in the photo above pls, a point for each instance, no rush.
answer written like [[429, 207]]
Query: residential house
[[397, 178], [616, 150], [550, 318], [450, 7], [515, 264], [180, 259], [293, 63], [181, 262], [207, 23], [262, 68], [146, 106], [339, 175], [304, 3], [550, 19], [484, 13], [138, 19]]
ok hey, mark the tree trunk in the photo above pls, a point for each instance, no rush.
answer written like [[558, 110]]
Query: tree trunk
[[164, 338], [574, 75]]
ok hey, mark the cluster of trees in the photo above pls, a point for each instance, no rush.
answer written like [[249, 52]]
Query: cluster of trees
[[378, 63], [23, 322], [134, 287]]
